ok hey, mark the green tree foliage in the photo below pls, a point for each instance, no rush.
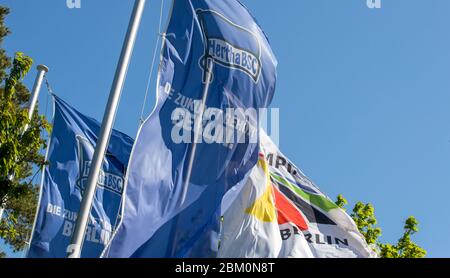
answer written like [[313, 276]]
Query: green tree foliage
[[20, 146], [364, 217], [405, 247], [21, 212], [341, 201], [5, 62], [365, 220]]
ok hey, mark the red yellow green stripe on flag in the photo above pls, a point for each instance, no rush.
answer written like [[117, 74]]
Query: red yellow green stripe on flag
[[273, 205]]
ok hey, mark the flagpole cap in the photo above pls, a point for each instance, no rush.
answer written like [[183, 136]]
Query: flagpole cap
[[42, 68]]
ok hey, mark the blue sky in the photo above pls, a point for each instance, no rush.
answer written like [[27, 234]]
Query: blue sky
[[364, 95]]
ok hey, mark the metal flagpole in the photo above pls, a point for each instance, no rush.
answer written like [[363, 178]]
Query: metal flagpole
[[74, 250], [42, 70], [198, 128]]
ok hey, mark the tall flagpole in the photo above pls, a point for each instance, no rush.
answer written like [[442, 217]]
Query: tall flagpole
[[74, 250], [197, 128], [42, 70]]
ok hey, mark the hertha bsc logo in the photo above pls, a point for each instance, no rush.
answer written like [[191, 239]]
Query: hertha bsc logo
[[112, 182], [229, 45]]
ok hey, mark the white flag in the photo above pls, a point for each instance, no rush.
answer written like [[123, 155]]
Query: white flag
[[280, 213], [250, 228], [329, 231]]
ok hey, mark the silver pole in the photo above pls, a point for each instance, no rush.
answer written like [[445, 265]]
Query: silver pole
[[197, 128], [2, 210], [74, 250], [42, 70]]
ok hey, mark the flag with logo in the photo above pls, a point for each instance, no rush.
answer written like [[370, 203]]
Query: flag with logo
[[249, 226], [252, 221], [328, 230], [70, 152], [216, 64], [281, 213]]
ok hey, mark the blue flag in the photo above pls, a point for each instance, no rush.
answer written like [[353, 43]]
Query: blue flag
[[217, 69], [71, 149]]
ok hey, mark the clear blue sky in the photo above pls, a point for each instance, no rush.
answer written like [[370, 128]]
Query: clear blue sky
[[364, 94]]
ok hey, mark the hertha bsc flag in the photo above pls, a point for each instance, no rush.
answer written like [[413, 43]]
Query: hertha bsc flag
[[217, 69], [70, 153]]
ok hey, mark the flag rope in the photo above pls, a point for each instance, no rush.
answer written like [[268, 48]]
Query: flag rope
[[155, 51], [49, 92]]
